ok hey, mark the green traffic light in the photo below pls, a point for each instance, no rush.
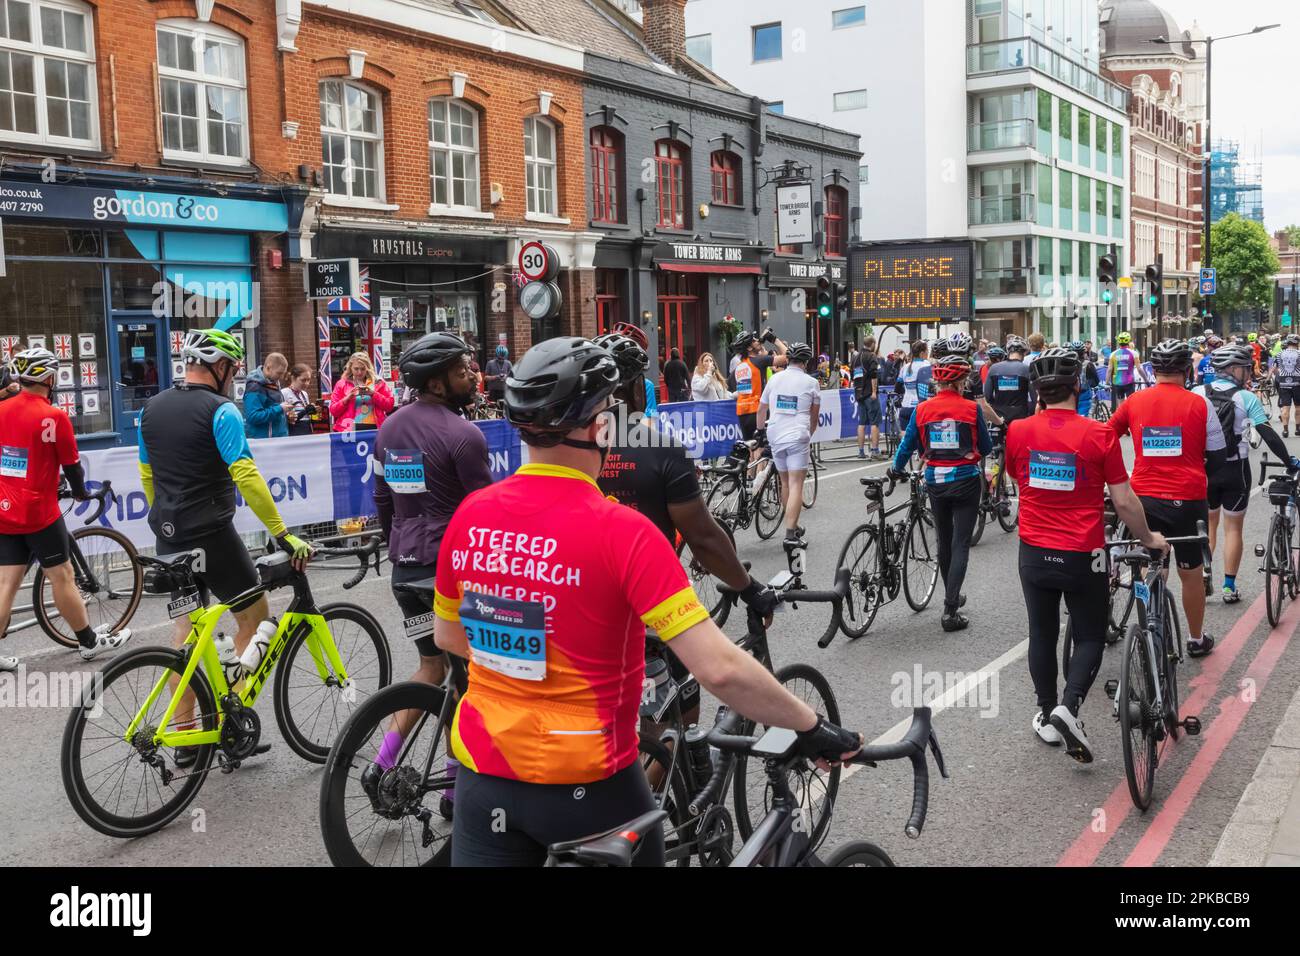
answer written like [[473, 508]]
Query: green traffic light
[[1106, 297], [1152, 300], [824, 311]]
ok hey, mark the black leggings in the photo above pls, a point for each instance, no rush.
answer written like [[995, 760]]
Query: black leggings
[[956, 508], [1047, 575], [1118, 393], [500, 822]]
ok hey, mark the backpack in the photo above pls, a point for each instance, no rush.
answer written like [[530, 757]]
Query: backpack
[[1226, 408]]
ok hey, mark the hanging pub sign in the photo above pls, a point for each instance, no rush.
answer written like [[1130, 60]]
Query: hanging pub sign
[[911, 282]]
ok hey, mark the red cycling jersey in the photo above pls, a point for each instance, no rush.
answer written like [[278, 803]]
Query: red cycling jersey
[[37, 440], [1061, 462], [555, 585], [1169, 426]]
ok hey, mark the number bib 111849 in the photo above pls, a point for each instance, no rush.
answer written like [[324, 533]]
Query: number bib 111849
[[1162, 442], [506, 636], [1052, 470]]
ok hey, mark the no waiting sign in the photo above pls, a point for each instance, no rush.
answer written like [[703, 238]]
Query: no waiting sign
[[538, 262]]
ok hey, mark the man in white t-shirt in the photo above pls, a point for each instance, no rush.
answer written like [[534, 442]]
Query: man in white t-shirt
[[788, 409]]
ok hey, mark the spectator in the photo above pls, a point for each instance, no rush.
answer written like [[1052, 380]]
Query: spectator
[[302, 409], [708, 385], [866, 376], [361, 400], [494, 376], [677, 377], [264, 405], [1036, 345]]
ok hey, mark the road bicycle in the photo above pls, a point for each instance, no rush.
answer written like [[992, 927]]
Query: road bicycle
[[746, 491], [889, 427], [153, 700], [783, 838], [999, 496], [815, 465], [1100, 410], [881, 559], [1281, 570]]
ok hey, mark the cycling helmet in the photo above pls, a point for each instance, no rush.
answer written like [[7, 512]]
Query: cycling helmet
[[1075, 345], [743, 341], [1213, 342], [1123, 338], [1232, 356], [939, 348], [558, 386], [799, 352], [430, 355], [1016, 344], [1252, 337], [959, 343], [1171, 355], [1055, 366], [997, 353], [502, 351], [1293, 340], [209, 346], [631, 358], [950, 368], [633, 332], [1197, 341], [38, 366]]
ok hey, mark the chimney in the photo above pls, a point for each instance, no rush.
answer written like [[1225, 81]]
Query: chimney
[[664, 25]]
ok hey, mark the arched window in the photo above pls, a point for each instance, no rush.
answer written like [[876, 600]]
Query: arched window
[[453, 155], [203, 92], [606, 178], [539, 165], [726, 178], [352, 140], [837, 200], [47, 73], [671, 164]]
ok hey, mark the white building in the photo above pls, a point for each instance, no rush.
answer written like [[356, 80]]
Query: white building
[[980, 118]]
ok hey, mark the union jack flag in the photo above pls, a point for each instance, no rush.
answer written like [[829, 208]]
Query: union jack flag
[[357, 303], [372, 341], [9, 344], [89, 374], [63, 346], [68, 402], [520, 280], [178, 340], [326, 370]]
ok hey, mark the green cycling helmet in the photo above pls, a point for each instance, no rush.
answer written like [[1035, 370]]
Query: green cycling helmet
[[207, 346], [1123, 338]]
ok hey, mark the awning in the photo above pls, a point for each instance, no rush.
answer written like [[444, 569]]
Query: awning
[[710, 269]]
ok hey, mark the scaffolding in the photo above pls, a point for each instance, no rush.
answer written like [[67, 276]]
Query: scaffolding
[[1235, 186]]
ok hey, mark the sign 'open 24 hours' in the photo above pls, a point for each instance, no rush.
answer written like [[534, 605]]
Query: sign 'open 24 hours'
[[913, 282]]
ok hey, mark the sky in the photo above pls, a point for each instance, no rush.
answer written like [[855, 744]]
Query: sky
[[1256, 95]]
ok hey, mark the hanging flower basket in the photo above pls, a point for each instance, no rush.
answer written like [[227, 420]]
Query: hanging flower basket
[[728, 329]]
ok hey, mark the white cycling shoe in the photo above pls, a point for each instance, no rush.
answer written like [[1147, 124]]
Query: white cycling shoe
[[1071, 729], [1046, 732], [105, 641], [8, 664]]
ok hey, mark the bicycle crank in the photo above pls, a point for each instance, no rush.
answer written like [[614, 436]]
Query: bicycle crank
[[240, 732]]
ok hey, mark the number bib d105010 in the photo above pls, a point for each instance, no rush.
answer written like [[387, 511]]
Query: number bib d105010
[[404, 471], [506, 636], [1052, 470], [1162, 442]]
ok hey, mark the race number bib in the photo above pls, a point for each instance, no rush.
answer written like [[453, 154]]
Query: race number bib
[[1052, 470], [13, 462], [787, 403], [183, 605], [404, 471], [857, 373], [910, 386], [943, 435], [419, 626], [506, 636], [1008, 383], [743, 384], [1162, 442]]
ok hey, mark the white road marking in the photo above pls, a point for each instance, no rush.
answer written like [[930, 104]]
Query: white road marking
[[849, 471]]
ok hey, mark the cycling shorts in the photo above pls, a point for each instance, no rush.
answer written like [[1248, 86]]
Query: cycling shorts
[[1177, 519], [1229, 487], [791, 457], [226, 568], [417, 617], [748, 425], [1288, 395], [50, 546]]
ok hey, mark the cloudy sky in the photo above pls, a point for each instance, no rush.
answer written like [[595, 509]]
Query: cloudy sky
[[1256, 90]]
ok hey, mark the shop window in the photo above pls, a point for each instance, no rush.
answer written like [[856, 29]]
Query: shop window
[[725, 168], [47, 74], [837, 200], [539, 165], [203, 92], [670, 183], [352, 140], [453, 155], [606, 178]]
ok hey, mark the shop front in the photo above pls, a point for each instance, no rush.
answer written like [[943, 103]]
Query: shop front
[[792, 287], [697, 285], [109, 278]]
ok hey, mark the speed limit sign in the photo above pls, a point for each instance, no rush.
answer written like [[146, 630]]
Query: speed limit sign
[[538, 262]]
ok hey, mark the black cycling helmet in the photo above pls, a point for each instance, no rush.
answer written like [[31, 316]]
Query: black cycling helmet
[[1056, 366], [743, 341], [558, 386], [939, 348], [1292, 340], [631, 357], [1232, 356], [799, 352], [1171, 355], [430, 355], [1016, 344], [997, 353]]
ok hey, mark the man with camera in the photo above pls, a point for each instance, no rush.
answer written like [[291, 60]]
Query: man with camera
[[750, 373]]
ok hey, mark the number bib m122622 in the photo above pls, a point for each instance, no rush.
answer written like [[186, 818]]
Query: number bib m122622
[[506, 636], [404, 471], [1052, 470], [1162, 442]]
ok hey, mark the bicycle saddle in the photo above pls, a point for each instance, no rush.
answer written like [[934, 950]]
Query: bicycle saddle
[[613, 847], [1134, 555], [420, 590], [273, 569]]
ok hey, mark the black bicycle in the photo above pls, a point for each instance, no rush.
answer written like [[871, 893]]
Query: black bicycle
[[882, 559], [1280, 569], [999, 496], [746, 490], [893, 435]]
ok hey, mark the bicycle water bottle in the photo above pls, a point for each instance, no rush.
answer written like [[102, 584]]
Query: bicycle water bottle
[[256, 649], [230, 666], [701, 756]]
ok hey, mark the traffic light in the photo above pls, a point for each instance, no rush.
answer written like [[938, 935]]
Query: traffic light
[[842, 299], [1106, 277], [1155, 284], [825, 302]]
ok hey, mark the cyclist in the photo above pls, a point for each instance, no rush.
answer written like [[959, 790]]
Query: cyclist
[[913, 383], [38, 443], [1173, 429], [1229, 470], [541, 582], [1007, 388], [1036, 345], [788, 410], [1256, 350], [1286, 372], [193, 456], [996, 354], [1205, 368], [1062, 462], [749, 377], [866, 383], [949, 431], [1088, 379], [1122, 371]]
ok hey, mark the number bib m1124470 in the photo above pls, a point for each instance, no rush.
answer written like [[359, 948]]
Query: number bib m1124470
[[506, 636]]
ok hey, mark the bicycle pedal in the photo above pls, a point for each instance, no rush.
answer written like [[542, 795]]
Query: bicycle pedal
[[1259, 550], [1192, 726], [1112, 688], [227, 765]]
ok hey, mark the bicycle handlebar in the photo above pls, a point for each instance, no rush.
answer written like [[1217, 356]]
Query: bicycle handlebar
[[364, 553], [104, 496], [1265, 466], [1202, 535]]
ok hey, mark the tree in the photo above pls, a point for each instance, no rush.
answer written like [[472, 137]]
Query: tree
[[1246, 264], [1292, 235]]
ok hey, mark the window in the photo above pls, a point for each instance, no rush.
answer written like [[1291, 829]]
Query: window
[[767, 42], [1116, 202], [1065, 131], [1103, 145], [851, 100], [475, 11], [1116, 147], [539, 165], [700, 49], [1144, 175], [202, 85], [606, 161], [1168, 182], [1045, 122], [1101, 207], [670, 183], [1085, 204], [352, 140], [1045, 284], [778, 107], [1085, 138], [1044, 195], [453, 155], [837, 201], [47, 74], [848, 17], [1066, 267], [725, 168], [1065, 202], [864, 174]]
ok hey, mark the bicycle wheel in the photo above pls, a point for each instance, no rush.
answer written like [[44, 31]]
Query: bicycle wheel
[[116, 785], [1173, 649], [1136, 702], [810, 486], [814, 790], [1100, 410], [312, 711], [109, 579], [920, 561], [671, 796], [859, 853], [402, 830], [704, 583], [1276, 566], [981, 515], [1009, 493], [861, 555], [723, 501], [769, 509]]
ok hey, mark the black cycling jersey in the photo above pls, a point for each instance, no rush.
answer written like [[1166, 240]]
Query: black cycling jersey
[[649, 472], [1007, 389]]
